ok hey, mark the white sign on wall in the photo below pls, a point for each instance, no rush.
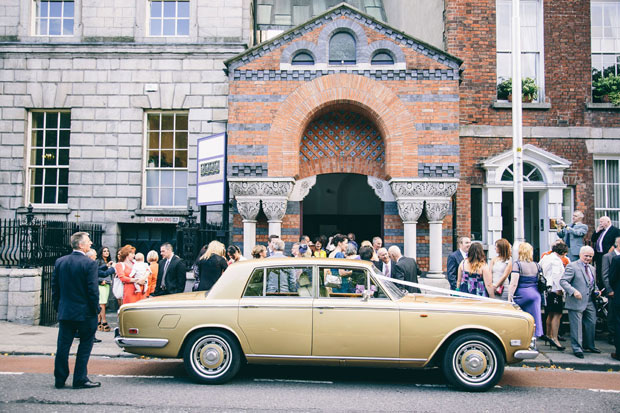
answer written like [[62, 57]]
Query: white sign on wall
[[211, 170]]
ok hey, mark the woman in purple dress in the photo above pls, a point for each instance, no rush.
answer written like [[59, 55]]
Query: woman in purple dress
[[524, 285]]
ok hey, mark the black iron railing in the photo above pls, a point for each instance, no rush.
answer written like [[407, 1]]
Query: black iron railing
[[191, 237]]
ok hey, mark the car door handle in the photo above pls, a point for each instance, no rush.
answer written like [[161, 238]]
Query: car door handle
[[249, 306], [327, 307]]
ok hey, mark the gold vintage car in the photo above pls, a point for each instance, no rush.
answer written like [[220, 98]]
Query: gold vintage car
[[330, 312]]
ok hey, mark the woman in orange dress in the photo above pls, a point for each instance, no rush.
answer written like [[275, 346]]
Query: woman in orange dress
[[123, 270], [152, 258]]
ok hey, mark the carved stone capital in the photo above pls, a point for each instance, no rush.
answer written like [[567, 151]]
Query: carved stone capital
[[274, 209], [302, 188], [415, 188], [410, 210], [381, 188], [436, 210], [261, 187], [248, 208]]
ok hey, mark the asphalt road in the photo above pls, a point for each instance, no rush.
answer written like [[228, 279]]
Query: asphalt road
[[26, 384]]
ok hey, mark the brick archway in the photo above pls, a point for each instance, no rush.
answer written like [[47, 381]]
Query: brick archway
[[378, 103]]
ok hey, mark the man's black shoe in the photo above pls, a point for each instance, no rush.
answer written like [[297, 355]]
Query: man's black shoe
[[592, 350], [579, 355], [615, 356], [87, 385], [59, 384], [96, 340]]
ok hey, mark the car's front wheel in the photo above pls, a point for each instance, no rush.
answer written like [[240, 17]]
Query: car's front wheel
[[473, 362], [212, 356]]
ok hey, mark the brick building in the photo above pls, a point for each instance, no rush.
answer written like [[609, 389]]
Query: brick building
[[381, 119]]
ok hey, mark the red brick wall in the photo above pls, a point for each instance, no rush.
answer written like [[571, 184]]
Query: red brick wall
[[471, 35]]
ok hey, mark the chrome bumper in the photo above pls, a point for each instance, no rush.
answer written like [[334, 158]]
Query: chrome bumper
[[526, 354], [125, 342]]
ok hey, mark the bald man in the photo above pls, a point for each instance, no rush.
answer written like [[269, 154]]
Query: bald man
[[407, 265]]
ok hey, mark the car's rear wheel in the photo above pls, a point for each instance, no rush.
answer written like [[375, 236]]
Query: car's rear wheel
[[212, 356], [473, 362]]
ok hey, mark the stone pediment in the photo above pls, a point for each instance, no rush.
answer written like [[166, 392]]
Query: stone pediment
[[312, 37]]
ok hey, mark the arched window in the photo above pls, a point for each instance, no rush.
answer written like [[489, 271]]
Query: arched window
[[342, 49], [382, 57], [530, 173], [303, 58]]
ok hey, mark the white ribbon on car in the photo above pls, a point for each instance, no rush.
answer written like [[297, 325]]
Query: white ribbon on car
[[443, 291]]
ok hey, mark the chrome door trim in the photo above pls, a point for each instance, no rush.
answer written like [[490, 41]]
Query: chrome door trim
[[280, 356]]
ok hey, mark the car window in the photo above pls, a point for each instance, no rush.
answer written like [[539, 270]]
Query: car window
[[280, 282], [343, 282]]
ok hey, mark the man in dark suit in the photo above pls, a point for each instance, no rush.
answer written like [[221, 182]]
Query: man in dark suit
[[172, 272], [408, 267], [602, 241], [614, 282], [388, 267], [609, 290], [455, 259], [75, 294]]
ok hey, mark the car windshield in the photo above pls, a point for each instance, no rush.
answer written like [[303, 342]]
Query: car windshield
[[395, 290]]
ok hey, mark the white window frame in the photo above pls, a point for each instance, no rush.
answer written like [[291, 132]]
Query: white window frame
[[600, 211], [540, 64], [29, 168], [604, 42], [36, 19], [145, 158], [176, 18]]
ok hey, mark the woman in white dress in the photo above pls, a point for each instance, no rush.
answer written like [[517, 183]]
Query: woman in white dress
[[501, 266]]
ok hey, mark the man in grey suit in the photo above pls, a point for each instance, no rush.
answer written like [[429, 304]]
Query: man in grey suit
[[579, 283], [407, 265], [609, 290], [573, 234]]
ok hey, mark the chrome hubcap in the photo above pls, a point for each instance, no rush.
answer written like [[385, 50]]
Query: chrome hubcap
[[211, 356], [474, 362]]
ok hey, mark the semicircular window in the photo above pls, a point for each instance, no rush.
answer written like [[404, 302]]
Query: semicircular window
[[530, 173], [302, 58], [382, 58], [342, 49]]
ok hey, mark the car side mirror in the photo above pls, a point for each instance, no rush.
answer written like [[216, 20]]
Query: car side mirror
[[366, 295]]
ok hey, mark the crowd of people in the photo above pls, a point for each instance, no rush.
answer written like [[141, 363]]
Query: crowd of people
[[564, 278]]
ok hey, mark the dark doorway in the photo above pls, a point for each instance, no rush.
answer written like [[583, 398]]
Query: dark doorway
[[147, 237], [342, 203], [531, 219]]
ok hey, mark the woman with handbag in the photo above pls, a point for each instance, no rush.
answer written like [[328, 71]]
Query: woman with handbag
[[524, 285], [501, 265], [553, 269], [105, 273], [474, 275]]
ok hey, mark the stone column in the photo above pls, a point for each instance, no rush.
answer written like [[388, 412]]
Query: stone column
[[248, 208], [274, 209], [436, 210], [494, 218], [409, 211]]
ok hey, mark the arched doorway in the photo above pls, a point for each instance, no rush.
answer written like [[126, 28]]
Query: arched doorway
[[342, 202]]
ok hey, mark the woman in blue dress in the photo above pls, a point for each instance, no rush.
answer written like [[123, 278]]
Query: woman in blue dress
[[524, 285]]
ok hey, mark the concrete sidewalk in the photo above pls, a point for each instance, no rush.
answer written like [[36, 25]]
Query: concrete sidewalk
[[18, 339]]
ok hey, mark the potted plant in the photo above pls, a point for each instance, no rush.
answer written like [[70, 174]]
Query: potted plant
[[529, 90], [607, 89]]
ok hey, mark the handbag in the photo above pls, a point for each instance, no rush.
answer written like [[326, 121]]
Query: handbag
[[499, 290], [542, 281], [332, 281], [118, 287]]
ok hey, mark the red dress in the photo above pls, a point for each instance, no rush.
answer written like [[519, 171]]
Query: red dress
[[130, 295]]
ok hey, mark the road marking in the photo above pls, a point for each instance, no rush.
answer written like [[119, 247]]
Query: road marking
[[135, 376], [604, 391], [294, 381], [12, 373]]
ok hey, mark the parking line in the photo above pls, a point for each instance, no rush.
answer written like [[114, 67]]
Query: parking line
[[294, 381]]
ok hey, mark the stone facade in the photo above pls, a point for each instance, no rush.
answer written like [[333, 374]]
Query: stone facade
[[20, 295], [109, 74]]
